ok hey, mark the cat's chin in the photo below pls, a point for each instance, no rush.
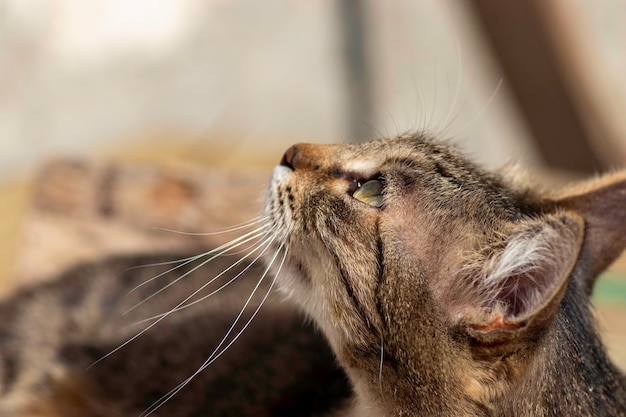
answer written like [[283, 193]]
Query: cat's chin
[[294, 282], [290, 276], [280, 175]]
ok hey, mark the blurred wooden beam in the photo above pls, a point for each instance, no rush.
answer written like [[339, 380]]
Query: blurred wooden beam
[[521, 43], [587, 60]]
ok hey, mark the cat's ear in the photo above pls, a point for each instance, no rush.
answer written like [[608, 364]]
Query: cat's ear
[[602, 204], [522, 282]]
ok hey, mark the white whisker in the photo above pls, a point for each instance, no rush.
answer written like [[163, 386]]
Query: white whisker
[[195, 268], [481, 111], [247, 249], [165, 262], [269, 290], [214, 356], [380, 367], [182, 262], [144, 330], [157, 264], [267, 243], [244, 225], [451, 116], [434, 101], [232, 244]]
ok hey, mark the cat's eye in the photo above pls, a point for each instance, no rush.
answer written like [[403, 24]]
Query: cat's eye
[[370, 193]]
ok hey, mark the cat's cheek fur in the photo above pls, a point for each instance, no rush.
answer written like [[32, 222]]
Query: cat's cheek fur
[[332, 269], [338, 300]]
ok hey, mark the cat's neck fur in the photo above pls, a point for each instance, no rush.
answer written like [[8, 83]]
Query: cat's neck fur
[[570, 374], [567, 373]]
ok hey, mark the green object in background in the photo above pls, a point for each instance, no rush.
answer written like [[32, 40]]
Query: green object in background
[[610, 288]]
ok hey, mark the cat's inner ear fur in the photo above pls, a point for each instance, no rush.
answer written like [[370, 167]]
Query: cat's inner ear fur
[[512, 284], [602, 204]]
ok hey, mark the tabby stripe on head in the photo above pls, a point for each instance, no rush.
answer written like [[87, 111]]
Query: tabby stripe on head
[[381, 269], [403, 162], [380, 260], [346, 282]]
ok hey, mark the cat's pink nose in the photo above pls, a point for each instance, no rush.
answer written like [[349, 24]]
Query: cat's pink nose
[[303, 156], [288, 157]]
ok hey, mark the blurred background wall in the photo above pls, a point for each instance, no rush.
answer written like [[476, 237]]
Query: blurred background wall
[[249, 77], [83, 77]]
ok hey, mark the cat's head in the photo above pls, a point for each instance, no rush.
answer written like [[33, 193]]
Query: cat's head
[[425, 271]]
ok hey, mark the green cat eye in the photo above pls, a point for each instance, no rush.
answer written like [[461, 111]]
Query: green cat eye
[[370, 193]]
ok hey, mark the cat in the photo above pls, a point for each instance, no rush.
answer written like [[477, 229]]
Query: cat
[[440, 289], [445, 290]]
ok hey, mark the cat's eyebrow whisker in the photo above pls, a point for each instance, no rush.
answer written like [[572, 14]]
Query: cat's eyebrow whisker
[[214, 356], [195, 268], [434, 101], [451, 116], [481, 111], [373, 128], [239, 226], [229, 245], [190, 259], [267, 243]]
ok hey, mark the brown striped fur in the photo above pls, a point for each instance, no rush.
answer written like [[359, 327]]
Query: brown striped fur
[[455, 292]]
